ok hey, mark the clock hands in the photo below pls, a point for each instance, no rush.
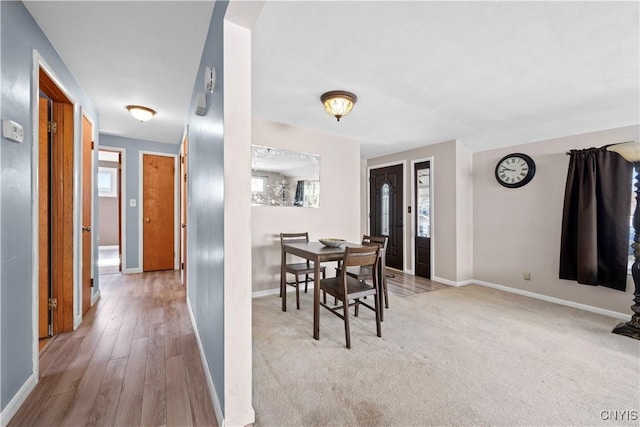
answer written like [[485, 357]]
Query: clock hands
[[507, 169]]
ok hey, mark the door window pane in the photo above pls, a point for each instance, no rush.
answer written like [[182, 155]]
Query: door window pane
[[384, 227], [423, 202]]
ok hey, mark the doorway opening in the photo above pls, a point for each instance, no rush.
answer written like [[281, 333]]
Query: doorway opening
[[108, 184]]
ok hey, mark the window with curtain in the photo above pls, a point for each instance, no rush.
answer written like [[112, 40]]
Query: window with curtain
[[595, 222]]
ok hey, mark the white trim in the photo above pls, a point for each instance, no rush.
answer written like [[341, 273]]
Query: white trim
[[572, 304], [432, 199], [205, 367], [123, 202], [451, 282], [77, 321], [404, 202], [77, 214], [95, 296], [17, 400], [176, 206], [131, 270], [275, 291]]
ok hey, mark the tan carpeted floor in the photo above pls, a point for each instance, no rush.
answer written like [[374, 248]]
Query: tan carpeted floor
[[456, 356]]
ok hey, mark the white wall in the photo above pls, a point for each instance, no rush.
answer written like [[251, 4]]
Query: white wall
[[339, 211], [518, 230]]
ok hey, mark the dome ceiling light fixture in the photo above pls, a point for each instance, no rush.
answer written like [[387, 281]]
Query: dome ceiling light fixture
[[141, 113], [338, 103]]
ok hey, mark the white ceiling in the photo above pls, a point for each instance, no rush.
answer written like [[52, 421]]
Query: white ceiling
[[488, 74], [131, 52]]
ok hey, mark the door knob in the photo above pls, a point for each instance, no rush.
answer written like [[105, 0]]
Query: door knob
[[86, 228], [147, 219], [184, 225]]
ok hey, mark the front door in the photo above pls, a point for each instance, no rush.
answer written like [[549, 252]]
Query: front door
[[422, 185], [158, 212], [386, 211], [87, 191]]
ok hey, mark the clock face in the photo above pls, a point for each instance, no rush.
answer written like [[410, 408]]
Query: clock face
[[515, 170]]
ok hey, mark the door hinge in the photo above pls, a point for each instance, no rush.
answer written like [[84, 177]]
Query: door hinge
[[91, 282], [92, 145], [52, 127], [53, 303], [182, 266], [185, 177]]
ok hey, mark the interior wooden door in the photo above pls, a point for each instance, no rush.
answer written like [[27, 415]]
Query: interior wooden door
[[61, 134], [385, 210], [44, 283], [183, 209], [158, 212], [422, 197], [87, 191]]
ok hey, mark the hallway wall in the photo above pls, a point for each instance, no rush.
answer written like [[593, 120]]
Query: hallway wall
[[20, 36]]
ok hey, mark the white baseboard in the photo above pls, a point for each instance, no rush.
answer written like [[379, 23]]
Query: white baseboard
[[131, 270], [18, 399], [95, 296], [77, 321], [275, 291], [451, 282], [205, 366], [592, 309]]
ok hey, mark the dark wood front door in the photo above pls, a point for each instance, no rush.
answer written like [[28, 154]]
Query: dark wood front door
[[386, 211], [422, 197]]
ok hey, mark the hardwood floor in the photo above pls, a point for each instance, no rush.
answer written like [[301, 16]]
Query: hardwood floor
[[404, 285], [133, 361]]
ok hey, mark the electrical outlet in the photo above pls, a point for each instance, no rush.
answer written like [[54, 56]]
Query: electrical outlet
[[526, 275]]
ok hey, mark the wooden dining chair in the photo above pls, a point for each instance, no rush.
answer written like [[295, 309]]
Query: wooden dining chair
[[300, 268], [364, 273], [345, 288]]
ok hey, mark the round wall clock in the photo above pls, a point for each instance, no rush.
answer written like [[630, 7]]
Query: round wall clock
[[515, 170]]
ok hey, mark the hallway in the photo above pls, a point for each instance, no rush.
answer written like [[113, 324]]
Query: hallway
[[134, 360]]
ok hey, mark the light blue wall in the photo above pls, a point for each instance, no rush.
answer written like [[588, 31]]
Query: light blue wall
[[205, 262], [20, 35], [132, 186]]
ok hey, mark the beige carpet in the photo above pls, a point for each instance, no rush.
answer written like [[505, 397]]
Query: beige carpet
[[457, 356]]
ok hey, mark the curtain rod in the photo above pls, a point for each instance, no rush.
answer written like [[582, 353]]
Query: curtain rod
[[568, 153]]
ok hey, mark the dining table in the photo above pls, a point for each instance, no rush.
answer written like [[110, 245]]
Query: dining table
[[317, 253]]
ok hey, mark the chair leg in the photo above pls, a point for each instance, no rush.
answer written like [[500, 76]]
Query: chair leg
[[377, 310], [306, 282], [347, 331], [355, 311], [297, 292], [386, 293]]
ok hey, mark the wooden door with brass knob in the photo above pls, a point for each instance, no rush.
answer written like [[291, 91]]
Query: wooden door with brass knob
[[158, 184]]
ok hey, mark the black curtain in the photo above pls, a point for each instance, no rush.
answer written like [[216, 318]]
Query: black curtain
[[299, 200], [595, 222]]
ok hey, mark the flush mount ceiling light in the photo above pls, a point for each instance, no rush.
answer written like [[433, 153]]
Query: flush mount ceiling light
[[338, 103], [141, 113]]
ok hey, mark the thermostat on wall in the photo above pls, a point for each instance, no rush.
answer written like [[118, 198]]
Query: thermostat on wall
[[12, 131]]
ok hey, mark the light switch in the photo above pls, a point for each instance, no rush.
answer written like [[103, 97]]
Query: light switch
[[132, 203]]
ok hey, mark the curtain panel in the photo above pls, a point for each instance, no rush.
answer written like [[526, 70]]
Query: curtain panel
[[595, 222]]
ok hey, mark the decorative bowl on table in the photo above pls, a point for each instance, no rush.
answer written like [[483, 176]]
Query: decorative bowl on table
[[331, 242]]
